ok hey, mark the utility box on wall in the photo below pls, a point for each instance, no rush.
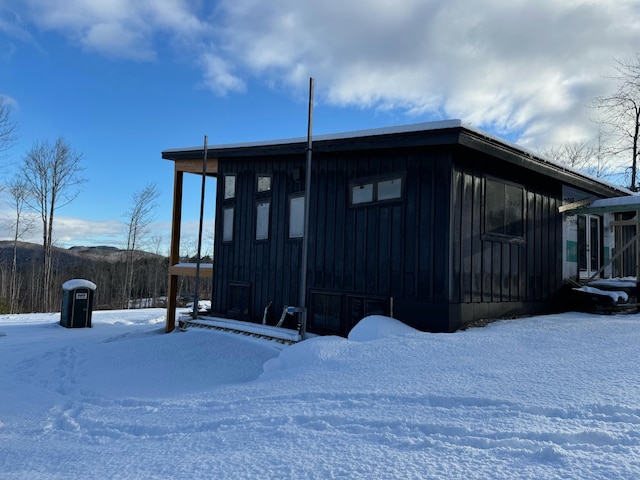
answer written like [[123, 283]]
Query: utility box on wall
[[77, 303]]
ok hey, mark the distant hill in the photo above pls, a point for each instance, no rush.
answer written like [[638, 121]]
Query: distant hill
[[29, 253], [104, 265]]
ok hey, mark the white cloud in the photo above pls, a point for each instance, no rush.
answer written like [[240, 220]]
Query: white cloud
[[517, 67], [116, 40], [511, 66], [218, 76], [118, 28], [70, 231]]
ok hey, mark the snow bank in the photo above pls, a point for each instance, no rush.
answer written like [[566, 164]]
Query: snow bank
[[376, 327], [542, 397], [616, 296]]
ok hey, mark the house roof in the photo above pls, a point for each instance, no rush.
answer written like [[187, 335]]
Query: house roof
[[447, 132]]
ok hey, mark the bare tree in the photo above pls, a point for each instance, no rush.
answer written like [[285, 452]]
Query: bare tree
[[591, 158], [576, 155], [139, 218], [52, 176], [8, 128], [18, 190], [620, 114]]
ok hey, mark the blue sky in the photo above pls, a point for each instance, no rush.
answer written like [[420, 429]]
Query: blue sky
[[123, 80]]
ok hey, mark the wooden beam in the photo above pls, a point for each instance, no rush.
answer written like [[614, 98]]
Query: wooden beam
[[189, 270], [575, 205], [174, 255], [638, 250], [195, 166]]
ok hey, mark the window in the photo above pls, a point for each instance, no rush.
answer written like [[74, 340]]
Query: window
[[376, 190], [362, 193], [264, 183], [504, 209], [262, 220], [238, 300], [390, 189], [360, 307], [296, 217], [229, 186], [326, 312], [227, 225]]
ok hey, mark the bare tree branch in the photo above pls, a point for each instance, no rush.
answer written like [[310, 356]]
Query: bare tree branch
[[139, 218], [8, 128], [620, 114], [52, 176]]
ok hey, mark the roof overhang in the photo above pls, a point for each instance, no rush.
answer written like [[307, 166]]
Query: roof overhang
[[630, 203], [449, 132]]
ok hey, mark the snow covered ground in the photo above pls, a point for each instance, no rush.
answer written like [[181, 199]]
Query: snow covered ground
[[539, 398]]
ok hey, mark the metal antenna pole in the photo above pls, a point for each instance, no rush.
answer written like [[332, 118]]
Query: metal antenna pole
[[307, 205], [196, 297]]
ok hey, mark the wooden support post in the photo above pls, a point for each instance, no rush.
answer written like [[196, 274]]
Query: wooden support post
[[637, 255], [174, 256]]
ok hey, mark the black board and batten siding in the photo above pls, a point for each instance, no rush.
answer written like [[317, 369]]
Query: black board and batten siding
[[251, 273], [385, 255], [493, 276], [363, 259], [436, 256]]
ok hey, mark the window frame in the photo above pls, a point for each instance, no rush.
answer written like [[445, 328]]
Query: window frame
[[504, 233], [227, 236], [225, 195], [375, 182], [263, 191], [293, 197], [259, 203]]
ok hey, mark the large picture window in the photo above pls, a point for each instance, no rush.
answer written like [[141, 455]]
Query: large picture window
[[504, 209]]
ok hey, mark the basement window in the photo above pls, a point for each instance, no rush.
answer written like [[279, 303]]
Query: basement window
[[238, 300], [326, 312]]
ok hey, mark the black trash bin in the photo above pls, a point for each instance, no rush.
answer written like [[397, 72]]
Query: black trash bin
[[77, 303]]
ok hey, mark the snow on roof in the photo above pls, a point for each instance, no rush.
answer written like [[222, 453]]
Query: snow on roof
[[627, 201], [78, 283], [414, 127], [409, 128]]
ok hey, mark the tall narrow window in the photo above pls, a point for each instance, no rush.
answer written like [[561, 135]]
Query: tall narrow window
[[229, 186], [262, 220], [227, 225], [296, 217]]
